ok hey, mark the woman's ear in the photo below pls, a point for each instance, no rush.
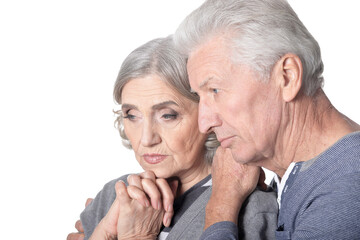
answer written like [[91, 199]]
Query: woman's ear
[[290, 74]]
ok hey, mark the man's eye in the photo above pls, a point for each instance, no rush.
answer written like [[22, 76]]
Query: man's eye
[[215, 90]]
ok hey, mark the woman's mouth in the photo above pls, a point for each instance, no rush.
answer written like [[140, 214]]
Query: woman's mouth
[[154, 158]]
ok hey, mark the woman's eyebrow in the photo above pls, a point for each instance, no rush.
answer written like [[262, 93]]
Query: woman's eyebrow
[[127, 106], [164, 104], [155, 107]]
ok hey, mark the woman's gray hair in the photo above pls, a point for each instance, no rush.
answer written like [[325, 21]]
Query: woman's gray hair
[[261, 32], [158, 57]]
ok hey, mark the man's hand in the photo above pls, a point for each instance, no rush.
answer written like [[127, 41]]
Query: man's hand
[[232, 184], [78, 225]]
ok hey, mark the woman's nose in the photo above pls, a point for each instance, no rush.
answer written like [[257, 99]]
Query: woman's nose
[[149, 136]]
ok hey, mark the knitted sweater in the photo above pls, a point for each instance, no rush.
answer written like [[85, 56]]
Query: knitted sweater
[[320, 200]]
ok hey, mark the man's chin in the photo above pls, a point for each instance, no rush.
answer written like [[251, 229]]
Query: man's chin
[[243, 157]]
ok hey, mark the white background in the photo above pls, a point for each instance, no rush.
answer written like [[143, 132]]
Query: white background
[[58, 63]]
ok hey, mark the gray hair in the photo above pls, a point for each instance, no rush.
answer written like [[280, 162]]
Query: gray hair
[[159, 57], [261, 32]]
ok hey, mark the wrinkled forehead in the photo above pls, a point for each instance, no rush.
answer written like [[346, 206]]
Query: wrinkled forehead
[[208, 59], [152, 90]]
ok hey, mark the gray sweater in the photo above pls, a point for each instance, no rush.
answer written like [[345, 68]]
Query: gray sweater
[[320, 200], [257, 219]]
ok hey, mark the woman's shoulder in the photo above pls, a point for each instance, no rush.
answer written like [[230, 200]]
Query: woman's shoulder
[[107, 194], [258, 215], [262, 201], [111, 184], [97, 209]]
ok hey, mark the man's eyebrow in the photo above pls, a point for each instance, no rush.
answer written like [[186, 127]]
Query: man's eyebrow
[[205, 82], [164, 104]]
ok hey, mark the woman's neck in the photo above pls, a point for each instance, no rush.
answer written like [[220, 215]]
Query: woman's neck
[[191, 178]]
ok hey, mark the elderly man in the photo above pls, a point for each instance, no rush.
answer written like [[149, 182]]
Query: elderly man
[[258, 72]]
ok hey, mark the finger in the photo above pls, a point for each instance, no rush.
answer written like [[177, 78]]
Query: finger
[[121, 192], [139, 195], [88, 201], [134, 180], [174, 185], [79, 226], [167, 198], [153, 193], [148, 175], [122, 197], [166, 194], [109, 223], [167, 218], [75, 236], [218, 157]]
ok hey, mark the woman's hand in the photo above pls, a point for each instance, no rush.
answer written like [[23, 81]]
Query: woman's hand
[[157, 192], [78, 225], [128, 219], [139, 209], [135, 220]]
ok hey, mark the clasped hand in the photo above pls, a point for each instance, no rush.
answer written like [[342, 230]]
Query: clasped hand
[[139, 209]]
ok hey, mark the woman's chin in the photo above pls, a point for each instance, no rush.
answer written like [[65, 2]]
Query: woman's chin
[[160, 173]]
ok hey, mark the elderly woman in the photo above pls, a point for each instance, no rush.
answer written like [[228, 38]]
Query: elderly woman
[[158, 120]]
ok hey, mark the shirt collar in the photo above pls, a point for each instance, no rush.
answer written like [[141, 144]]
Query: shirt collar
[[281, 183]]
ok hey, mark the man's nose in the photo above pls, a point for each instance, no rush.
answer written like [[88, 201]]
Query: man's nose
[[208, 118], [150, 135]]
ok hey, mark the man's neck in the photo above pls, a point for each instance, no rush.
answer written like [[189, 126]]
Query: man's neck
[[310, 126]]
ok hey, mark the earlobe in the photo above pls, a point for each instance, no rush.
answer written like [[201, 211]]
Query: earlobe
[[291, 79]]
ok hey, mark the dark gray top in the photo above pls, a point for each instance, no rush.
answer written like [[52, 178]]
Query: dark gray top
[[257, 219]]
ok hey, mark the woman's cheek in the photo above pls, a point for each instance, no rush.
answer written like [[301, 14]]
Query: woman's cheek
[[174, 140]]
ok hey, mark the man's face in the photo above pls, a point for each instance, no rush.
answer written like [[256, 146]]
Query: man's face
[[244, 112]]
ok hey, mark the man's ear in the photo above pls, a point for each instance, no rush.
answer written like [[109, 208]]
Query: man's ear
[[289, 75]]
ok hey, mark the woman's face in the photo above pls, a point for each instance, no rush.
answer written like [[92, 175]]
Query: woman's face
[[161, 125]]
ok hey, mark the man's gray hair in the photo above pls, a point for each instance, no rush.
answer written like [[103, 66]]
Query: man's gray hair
[[260, 31], [158, 57]]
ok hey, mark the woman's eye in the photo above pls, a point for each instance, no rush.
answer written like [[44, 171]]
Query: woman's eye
[[129, 116], [170, 116]]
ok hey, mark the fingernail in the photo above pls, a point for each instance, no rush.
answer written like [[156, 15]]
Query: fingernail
[[170, 208], [167, 221], [159, 206]]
